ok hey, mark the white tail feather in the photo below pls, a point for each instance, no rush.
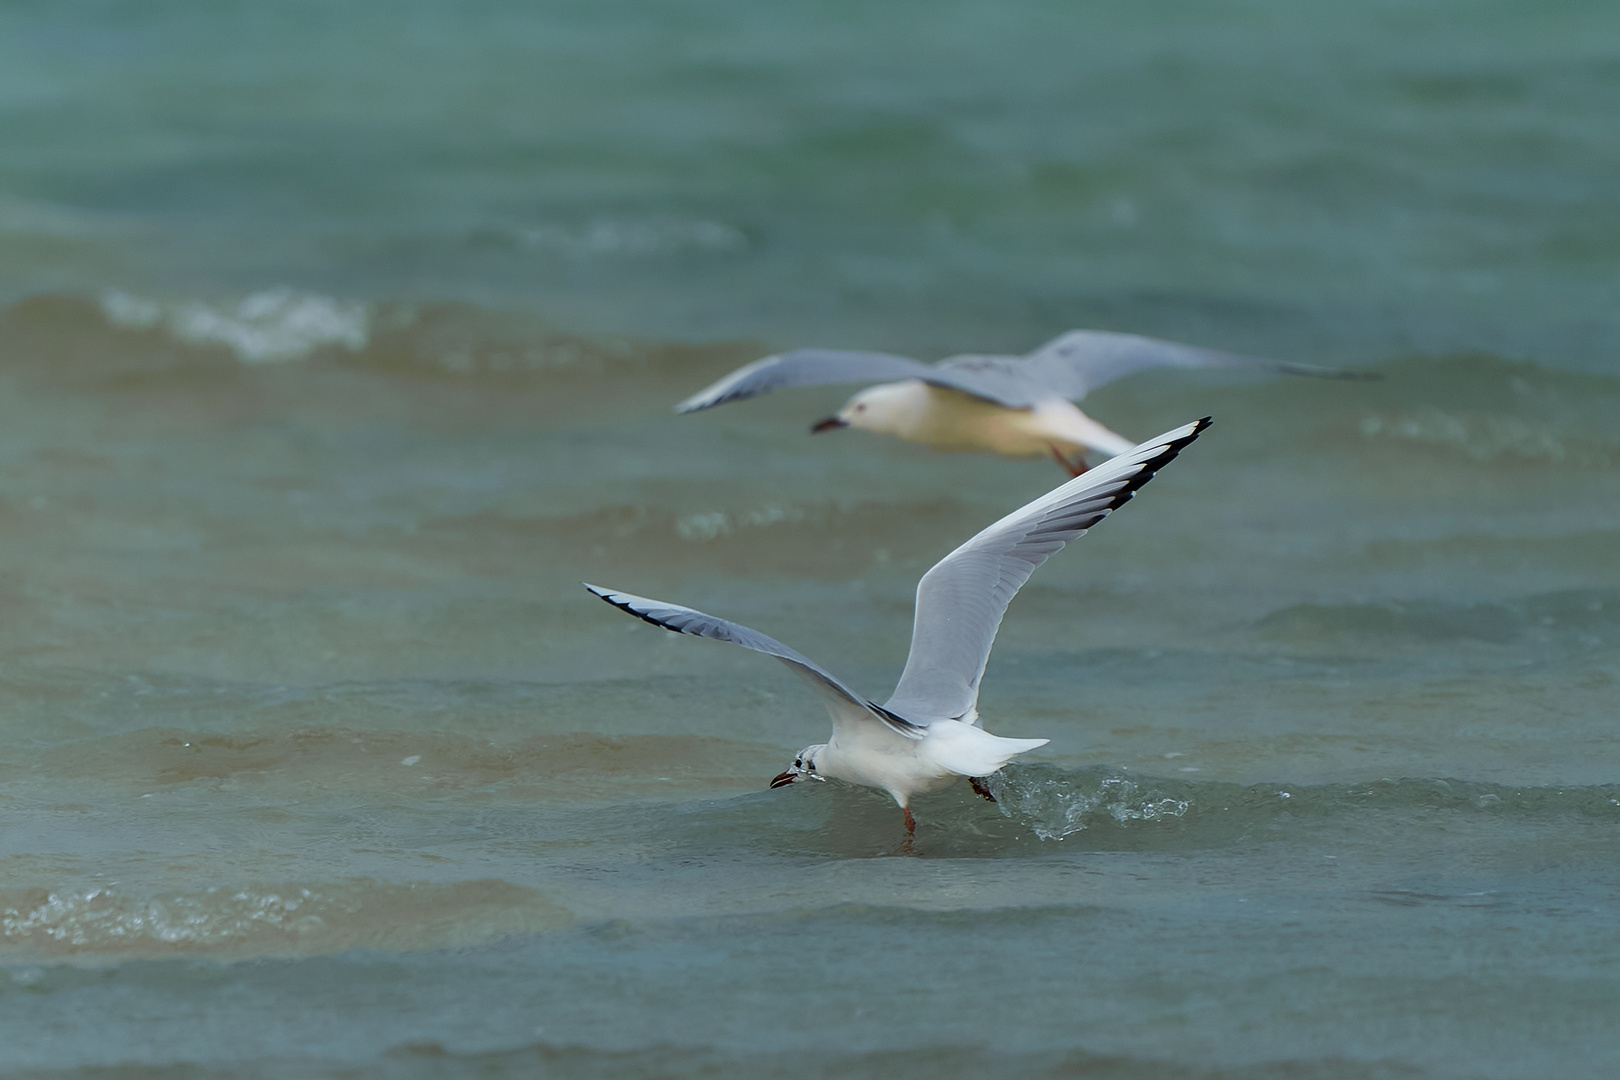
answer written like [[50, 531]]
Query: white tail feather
[[972, 751]]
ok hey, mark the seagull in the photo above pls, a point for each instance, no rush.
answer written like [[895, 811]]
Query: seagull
[[928, 733], [1014, 405]]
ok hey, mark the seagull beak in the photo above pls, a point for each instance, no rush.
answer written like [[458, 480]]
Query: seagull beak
[[783, 779], [830, 424]]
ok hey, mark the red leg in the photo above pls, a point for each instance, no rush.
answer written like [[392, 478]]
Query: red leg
[[1072, 468], [979, 789], [911, 822]]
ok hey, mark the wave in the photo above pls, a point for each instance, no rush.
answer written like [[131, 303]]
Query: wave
[[1462, 401], [286, 919], [1574, 617], [808, 538], [1055, 803], [273, 325], [431, 1060], [623, 237], [119, 331], [565, 766], [1487, 437]]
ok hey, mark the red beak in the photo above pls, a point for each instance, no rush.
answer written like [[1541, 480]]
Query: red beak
[[783, 779], [828, 424]]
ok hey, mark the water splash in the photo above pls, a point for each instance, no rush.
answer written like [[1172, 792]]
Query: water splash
[[1056, 806]]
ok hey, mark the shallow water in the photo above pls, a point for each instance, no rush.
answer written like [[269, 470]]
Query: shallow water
[[337, 348]]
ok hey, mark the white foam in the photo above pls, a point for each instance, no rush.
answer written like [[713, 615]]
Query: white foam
[[131, 312], [271, 326]]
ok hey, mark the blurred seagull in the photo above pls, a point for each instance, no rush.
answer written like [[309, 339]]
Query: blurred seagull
[[928, 733], [1014, 405]]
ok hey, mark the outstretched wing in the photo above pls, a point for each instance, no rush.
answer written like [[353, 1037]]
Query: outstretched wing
[[823, 367], [683, 620], [960, 601], [1082, 360], [804, 367]]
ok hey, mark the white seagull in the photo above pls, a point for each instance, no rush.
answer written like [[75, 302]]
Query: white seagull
[[928, 733], [1014, 405]]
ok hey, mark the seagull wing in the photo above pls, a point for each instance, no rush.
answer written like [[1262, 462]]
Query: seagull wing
[[960, 601], [842, 702], [1082, 360], [822, 367], [804, 367]]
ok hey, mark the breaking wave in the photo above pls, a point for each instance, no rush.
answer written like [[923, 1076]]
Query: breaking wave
[[271, 326], [120, 332]]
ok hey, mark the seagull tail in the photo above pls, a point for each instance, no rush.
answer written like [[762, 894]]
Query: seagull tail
[[972, 751]]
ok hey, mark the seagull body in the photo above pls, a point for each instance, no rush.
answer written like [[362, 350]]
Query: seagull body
[[948, 419], [928, 734], [1013, 405]]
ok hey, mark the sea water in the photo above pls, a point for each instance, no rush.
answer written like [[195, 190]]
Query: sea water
[[338, 345]]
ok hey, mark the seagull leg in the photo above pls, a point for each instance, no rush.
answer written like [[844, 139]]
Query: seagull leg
[[906, 846], [979, 789], [1074, 468]]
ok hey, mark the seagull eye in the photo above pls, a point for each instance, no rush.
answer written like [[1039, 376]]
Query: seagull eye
[[797, 764], [860, 408]]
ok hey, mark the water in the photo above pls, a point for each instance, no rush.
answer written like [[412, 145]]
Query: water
[[337, 346]]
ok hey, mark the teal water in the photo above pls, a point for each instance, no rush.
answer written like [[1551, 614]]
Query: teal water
[[1348, 181], [337, 346]]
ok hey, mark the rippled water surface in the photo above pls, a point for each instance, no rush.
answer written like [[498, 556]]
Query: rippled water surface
[[337, 346]]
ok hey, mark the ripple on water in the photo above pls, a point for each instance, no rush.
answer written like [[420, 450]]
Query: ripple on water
[[1056, 803], [289, 919]]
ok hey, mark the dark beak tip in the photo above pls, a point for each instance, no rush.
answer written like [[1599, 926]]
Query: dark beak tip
[[829, 424], [781, 780]]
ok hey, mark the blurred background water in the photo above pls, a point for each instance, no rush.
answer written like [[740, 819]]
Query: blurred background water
[[337, 344]]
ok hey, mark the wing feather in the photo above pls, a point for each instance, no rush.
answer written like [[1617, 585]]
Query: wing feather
[[823, 367], [961, 601], [684, 620], [804, 367], [1080, 361]]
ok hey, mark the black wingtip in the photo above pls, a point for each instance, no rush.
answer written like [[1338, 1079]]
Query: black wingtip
[[1152, 465], [624, 606]]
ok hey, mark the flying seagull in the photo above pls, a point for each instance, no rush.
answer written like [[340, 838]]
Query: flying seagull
[[928, 733], [1014, 405]]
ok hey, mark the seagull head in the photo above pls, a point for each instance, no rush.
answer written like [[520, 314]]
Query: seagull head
[[803, 767], [889, 409]]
